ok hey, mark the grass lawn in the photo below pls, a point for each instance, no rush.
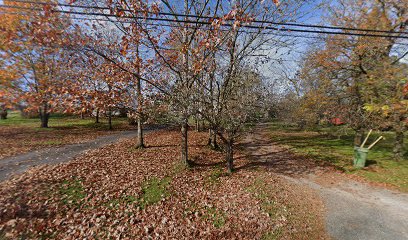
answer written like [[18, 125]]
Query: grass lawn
[[14, 119], [337, 148], [20, 135]]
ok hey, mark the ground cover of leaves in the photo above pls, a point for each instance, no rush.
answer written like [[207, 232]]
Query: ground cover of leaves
[[18, 140], [119, 192]]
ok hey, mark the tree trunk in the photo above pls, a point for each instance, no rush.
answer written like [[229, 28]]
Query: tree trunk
[[209, 137], [358, 137], [110, 119], [229, 155], [83, 114], [184, 142], [97, 116], [198, 127], [214, 140], [3, 113], [140, 142], [399, 150], [44, 116]]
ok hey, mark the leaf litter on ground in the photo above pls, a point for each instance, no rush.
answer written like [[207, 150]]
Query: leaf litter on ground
[[115, 192]]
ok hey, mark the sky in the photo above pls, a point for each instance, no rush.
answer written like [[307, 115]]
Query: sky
[[310, 13]]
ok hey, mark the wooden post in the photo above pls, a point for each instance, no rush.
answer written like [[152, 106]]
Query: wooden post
[[365, 140], [372, 145]]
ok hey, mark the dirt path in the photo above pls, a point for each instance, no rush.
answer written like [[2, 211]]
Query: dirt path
[[20, 163], [355, 210]]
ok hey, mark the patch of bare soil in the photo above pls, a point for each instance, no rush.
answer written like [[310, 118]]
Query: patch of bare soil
[[122, 192]]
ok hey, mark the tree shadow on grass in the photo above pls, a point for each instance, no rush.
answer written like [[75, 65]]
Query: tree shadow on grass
[[371, 162], [260, 151], [162, 146], [172, 145], [203, 165]]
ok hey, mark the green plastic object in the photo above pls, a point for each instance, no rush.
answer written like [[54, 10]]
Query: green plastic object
[[360, 156]]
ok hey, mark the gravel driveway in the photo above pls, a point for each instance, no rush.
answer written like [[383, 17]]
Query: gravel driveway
[[354, 210], [20, 163]]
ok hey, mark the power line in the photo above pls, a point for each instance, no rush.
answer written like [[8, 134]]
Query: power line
[[192, 27], [166, 25], [212, 18], [209, 23]]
